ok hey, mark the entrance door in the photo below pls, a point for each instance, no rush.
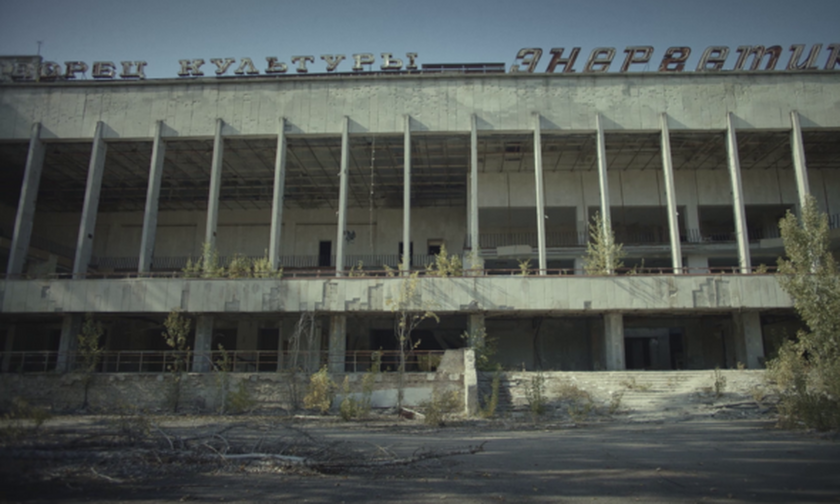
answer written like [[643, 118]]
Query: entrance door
[[325, 253]]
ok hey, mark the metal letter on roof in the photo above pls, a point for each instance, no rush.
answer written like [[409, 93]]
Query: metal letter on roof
[[191, 68], [530, 56], [104, 70], [713, 59], [222, 65], [332, 61], [796, 54], [128, 74], [674, 59], [301, 61], [274, 66], [389, 62], [362, 59], [636, 54], [600, 57], [246, 63], [558, 59], [74, 67], [758, 53]]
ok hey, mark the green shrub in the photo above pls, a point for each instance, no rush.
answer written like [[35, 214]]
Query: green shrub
[[535, 394], [439, 406], [321, 391]]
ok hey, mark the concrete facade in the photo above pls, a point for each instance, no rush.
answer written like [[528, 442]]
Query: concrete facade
[[318, 175]]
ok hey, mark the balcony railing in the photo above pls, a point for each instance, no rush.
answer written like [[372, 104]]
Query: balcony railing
[[245, 361]]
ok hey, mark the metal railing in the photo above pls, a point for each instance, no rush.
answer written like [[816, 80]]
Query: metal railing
[[245, 361]]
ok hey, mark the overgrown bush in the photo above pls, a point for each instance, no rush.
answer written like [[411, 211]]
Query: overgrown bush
[[90, 352], [445, 265], [535, 395], [23, 419], [603, 255], [441, 405], [321, 391], [177, 330], [806, 372], [491, 403], [485, 348]]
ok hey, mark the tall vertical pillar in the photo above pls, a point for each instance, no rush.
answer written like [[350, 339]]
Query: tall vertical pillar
[[278, 197], [737, 197], [26, 204], [798, 150], [202, 356], [337, 344], [670, 195], [68, 342], [87, 226], [538, 174], [405, 265], [749, 344], [604, 185], [342, 197], [614, 341], [472, 237], [150, 215], [215, 186], [8, 348]]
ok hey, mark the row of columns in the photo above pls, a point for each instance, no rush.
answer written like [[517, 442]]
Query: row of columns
[[84, 245]]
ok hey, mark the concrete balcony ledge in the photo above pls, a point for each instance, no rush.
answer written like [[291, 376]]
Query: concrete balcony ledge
[[557, 294]]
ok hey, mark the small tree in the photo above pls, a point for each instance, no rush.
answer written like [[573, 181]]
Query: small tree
[[90, 351], [603, 255], [807, 370], [177, 330], [408, 315]]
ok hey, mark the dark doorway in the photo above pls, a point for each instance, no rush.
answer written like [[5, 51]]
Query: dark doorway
[[410, 253], [637, 353], [325, 253], [267, 344]]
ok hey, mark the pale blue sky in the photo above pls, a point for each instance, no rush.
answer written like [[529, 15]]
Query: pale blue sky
[[440, 31]]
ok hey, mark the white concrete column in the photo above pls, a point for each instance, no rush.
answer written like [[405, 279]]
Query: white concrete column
[[342, 196], [150, 216], [671, 196], [473, 242], [26, 204], [753, 339], [406, 257], [71, 326], [798, 150], [87, 226], [692, 222], [278, 197], [540, 194], [737, 197], [614, 341], [8, 348], [582, 225], [337, 344], [603, 182], [202, 357], [215, 186], [475, 324]]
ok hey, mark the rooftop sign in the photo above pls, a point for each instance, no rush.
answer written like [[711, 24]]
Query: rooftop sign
[[713, 58], [527, 60]]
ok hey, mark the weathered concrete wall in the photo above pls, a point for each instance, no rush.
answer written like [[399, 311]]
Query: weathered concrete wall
[[543, 343], [203, 392], [181, 234], [668, 389], [436, 103], [337, 295]]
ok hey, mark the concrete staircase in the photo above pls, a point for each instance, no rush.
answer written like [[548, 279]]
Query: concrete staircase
[[644, 395]]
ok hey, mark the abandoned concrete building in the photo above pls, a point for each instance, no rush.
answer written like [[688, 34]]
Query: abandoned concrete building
[[110, 187]]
